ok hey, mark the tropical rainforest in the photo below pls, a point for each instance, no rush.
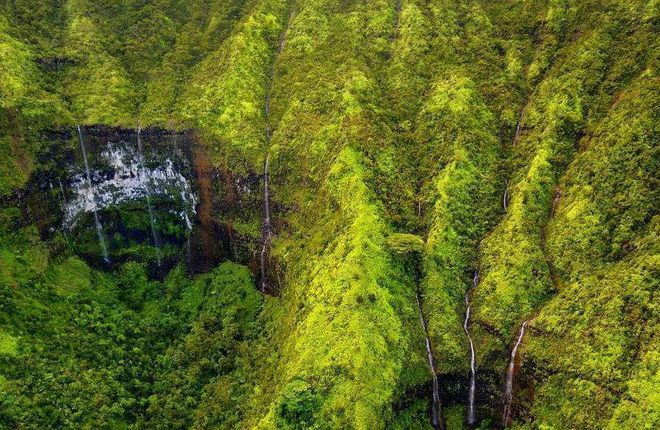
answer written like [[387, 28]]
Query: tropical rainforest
[[329, 214]]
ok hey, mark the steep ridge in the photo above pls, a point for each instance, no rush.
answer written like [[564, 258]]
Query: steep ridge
[[513, 138], [608, 264], [226, 95], [344, 271], [267, 225], [573, 93], [447, 142]]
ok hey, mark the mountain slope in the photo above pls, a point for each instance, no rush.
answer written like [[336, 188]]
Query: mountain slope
[[411, 146]]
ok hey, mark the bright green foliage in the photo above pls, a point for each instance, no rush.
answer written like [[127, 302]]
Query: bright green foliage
[[208, 25], [8, 345], [347, 349], [343, 340], [402, 243], [16, 69], [227, 96], [606, 252], [517, 277], [98, 87], [80, 348], [463, 195], [396, 128], [199, 386], [22, 97]]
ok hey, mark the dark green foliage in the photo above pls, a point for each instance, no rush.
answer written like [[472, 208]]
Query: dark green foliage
[[297, 406], [79, 348], [397, 131], [204, 368]]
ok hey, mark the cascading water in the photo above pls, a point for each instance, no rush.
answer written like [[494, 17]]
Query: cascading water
[[508, 387], [505, 198], [516, 136], [99, 228], [144, 175], [267, 227], [63, 194], [436, 408], [472, 388]]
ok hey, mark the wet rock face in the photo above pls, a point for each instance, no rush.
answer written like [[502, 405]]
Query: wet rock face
[[144, 197], [124, 179], [159, 200]]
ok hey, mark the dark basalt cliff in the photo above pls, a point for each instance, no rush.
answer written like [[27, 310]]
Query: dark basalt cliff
[[269, 214]]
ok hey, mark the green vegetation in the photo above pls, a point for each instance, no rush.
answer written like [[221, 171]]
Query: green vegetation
[[81, 348], [411, 143]]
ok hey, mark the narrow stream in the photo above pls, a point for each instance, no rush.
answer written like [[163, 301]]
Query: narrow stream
[[267, 225], [436, 408], [510, 373], [516, 136], [471, 414], [99, 228], [267, 233]]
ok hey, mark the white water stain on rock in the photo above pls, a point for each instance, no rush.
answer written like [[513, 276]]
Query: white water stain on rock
[[126, 180]]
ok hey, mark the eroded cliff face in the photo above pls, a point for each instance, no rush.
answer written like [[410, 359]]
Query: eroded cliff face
[[151, 199], [364, 160]]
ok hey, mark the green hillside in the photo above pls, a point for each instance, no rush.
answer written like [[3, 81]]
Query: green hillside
[[376, 161]]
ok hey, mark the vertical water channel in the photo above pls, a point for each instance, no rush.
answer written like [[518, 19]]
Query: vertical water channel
[[99, 228], [472, 385], [267, 225], [436, 406], [510, 373], [267, 233], [146, 180]]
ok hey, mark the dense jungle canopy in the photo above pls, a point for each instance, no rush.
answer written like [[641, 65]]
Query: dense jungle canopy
[[329, 214]]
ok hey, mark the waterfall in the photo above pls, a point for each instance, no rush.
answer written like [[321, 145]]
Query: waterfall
[[144, 175], [436, 420], [508, 388], [517, 135], [471, 415], [267, 232], [99, 229], [267, 225], [64, 202], [505, 198]]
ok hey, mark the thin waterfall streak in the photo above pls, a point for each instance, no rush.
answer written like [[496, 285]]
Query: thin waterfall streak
[[267, 197], [555, 202], [267, 231], [516, 136], [505, 198], [508, 389], [472, 387], [436, 408], [64, 201], [144, 175], [267, 227], [97, 223], [188, 253], [397, 19]]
